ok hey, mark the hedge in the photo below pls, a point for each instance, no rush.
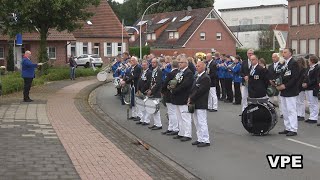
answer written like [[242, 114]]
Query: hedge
[[135, 51], [12, 82], [266, 55]]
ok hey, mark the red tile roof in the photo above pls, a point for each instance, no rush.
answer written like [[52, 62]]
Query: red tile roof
[[105, 23], [54, 35]]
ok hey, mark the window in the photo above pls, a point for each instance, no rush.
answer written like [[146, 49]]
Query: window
[[202, 36], [246, 37], [132, 38], [211, 16], [85, 48], [163, 21], [312, 46], [303, 15], [173, 35], [219, 36], [294, 16], [294, 45], [267, 20], [185, 19], [109, 49], [303, 47], [246, 21], [257, 20], [51, 52], [148, 37], [119, 48], [96, 48], [153, 36], [141, 23], [312, 14], [73, 49], [176, 35], [1, 53]]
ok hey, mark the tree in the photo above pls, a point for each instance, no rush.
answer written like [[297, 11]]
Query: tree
[[42, 15], [10, 59]]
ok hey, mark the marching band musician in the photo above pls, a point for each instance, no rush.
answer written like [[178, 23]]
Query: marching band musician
[[166, 67], [245, 71], [155, 92], [258, 79], [289, 90], [133, 79], [217, 62], [126, 57], [301, 107], [272, 69], [173, 127], [199, 97], [212, 72], [228, 79], [116, 72], [312, 89], [180, 98], [221, 75], [237, 79]]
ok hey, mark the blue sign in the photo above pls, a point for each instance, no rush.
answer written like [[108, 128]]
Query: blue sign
[[19, 39]]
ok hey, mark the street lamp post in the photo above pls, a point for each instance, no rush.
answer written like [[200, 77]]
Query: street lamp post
[[141, 26]]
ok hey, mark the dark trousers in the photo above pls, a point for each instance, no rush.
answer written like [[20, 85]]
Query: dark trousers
[[118, 91], [26, 87], [237, 92], [228, 88], [223, 89], [218, 88]]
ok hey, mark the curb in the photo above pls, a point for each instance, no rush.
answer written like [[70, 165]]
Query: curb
[[90, 98]]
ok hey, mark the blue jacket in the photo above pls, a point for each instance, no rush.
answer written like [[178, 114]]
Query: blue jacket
[[228, 72], [28, 68], [236, 73], [114, 68], [221, 70], [165, 71]]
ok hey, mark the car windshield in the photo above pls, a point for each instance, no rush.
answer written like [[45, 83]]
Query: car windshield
[[95, 56]]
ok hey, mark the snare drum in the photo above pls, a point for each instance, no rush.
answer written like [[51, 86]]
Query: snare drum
[[116, 82], [259, 118], [140, 103], [152, 105]]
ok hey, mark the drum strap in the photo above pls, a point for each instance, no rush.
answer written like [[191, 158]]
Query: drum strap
[[133, 94]]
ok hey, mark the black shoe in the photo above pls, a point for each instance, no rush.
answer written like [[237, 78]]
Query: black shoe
[[184, 139], [166, 132], [203, 144], [177, 137], [131, 118], [137, 119], [310, 121], [240, 114], [291, 133], [173, 133], [152, 126], [156, 128], [212, 110], [281, 116], [117, 95], [139, 122], [195, 143], [27, 100], [145, 124], [284, 132], [300, 118], [318, 124]]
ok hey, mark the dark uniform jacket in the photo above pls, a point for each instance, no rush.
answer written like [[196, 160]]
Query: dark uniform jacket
[[134, 76], [272, 71], [212, 72], [182, 91], [144, 81], [312, 79], [200, 92], [302, 78], [245, 69], [258, 82], [290, 78], [167, 95], [156, 83]]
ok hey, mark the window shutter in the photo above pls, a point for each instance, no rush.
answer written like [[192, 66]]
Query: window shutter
[[89, 48], [114, 49], [68, 49], [124, 47], [105, 49]]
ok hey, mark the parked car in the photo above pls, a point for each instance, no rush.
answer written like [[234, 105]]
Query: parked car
[[87, 59]]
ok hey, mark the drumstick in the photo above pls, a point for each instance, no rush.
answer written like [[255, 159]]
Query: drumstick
[[145, 145]]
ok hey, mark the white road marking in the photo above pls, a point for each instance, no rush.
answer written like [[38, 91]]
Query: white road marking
[[303, 143]]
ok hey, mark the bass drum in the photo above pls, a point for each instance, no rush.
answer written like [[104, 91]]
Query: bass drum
[[140, 103], [259, 118], [152, 106]]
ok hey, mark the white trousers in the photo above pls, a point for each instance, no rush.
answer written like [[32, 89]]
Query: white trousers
[[156, 118], [301, 107], [136, 112], [184, 121], [313, 105], [289, 109], [172, 114], [200, 121], [244, 94], [213, 99]]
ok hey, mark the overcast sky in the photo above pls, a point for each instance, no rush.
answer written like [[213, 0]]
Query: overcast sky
[[222, 4]]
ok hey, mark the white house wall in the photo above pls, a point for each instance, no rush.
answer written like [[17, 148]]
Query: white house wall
[[253, 41]]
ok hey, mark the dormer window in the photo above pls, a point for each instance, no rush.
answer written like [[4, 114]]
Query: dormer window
[[174, 35], [211, 15], [151, 37], [141, 23], [132, 37], [185, 19], [163, 21]]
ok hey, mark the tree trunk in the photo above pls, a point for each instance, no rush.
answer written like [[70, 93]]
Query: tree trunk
[[43, 55]]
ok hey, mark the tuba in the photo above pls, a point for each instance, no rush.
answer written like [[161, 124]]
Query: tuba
[[200, 56]]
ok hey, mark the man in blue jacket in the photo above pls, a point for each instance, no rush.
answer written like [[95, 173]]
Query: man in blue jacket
[[28, 75]]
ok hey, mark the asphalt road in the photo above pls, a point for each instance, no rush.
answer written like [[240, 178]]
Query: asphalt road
[[233, 154]]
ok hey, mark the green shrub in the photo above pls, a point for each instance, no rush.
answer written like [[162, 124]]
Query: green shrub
[[135, 51], [266, 55]]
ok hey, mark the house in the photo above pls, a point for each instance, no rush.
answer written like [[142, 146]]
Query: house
[[102, 34], [189, 31], [249, 24], [304, 20]]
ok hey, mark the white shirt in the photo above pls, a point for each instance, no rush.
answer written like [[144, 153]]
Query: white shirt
[[275, 65], [174, 69], [182, 70], [253, 69], [249, 63], [288, 60]]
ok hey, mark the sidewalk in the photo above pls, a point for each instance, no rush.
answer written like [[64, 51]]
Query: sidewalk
[[50, 139]]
